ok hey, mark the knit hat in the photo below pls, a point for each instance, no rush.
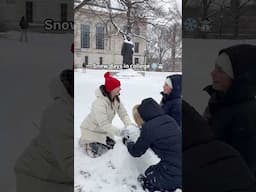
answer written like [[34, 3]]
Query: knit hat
[[168, 81], [110, 82], [224, 62]]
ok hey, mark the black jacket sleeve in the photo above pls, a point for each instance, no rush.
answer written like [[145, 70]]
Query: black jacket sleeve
[[142, 144]]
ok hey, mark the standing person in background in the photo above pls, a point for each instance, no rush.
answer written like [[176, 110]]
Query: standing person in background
[[24, 29], [232, 106], [171, 100]]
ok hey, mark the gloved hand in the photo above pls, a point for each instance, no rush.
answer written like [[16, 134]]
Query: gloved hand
[[110, 143], [126, 140]]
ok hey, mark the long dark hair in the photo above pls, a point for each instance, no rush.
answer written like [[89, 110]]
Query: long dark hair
[[107, 94]]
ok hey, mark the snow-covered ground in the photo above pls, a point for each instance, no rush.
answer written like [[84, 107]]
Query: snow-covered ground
[[115, 171], [26, 70]]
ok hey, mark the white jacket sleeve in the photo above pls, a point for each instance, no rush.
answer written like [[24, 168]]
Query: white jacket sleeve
[[99, 111], [122, 113]]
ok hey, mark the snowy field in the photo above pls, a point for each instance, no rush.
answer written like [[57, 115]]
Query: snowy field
[[116, 171], [26, 70]]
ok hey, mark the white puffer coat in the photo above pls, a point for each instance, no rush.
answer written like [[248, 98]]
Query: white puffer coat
[[98, 124], [47, 164]]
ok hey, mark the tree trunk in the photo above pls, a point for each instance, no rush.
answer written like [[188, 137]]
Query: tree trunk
[[235, 6], [236, 28], [174, 47], [129, 23]]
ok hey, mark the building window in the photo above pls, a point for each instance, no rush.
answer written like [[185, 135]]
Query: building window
[[136, 49], [101, 60], [63, 12], [29, 11], [136, 61], [99, 36], [85, 36]]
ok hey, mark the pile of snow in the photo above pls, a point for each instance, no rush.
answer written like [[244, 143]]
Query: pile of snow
[[114, 171], [117, 170], [128, 73]]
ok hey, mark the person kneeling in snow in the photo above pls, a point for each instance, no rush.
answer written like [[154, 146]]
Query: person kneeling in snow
[[161, 133], [97, 129]]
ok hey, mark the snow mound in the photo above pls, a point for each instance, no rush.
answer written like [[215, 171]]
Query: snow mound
[[114, 171], [128, 74], [134, 132]]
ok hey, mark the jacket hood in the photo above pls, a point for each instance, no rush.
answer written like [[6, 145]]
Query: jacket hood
[[243, 85], [150, 109], [177, 88], [243, 62], [101, 92]]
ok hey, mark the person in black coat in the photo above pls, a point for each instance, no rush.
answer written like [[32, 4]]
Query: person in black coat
[[24, 27], [127, 51], [171, 100], [232, 106], [161, 133], [210, 165]]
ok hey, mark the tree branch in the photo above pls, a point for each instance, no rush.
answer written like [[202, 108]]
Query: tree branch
[[83, 3]]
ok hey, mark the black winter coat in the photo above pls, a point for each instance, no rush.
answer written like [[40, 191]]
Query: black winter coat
[[161, 133], [210, 165], [171, 103], [232, 116], [127, 52]]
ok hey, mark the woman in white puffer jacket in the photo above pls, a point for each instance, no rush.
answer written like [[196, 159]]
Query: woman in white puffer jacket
[[97, 131]]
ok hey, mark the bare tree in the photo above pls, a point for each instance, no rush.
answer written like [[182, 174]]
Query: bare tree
[[166, 40], [136, 12], [81, 4], [165, 24], [237, 9]]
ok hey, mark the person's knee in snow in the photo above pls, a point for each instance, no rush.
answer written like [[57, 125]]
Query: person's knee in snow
[[95, 149]]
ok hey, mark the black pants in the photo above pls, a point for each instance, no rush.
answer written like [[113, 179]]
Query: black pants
[[149, 184]]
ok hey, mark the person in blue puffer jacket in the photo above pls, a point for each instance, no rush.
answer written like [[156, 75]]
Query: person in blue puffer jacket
[[161, 133], [171, 100]]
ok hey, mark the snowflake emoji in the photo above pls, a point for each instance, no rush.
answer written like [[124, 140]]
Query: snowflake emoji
[[190, 24]]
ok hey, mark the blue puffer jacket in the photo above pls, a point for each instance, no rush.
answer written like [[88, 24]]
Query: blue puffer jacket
[[172, 102], [161, 133]]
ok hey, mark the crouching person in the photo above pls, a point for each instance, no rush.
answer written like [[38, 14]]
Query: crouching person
[[161, 133], [97, 131]]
